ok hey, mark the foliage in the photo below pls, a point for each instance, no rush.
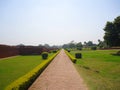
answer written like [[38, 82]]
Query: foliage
[[45, 55], [101, 44], [25, 81], [15, 67], [71, 57], [67, 50], [93, 48], [69, 45], [112, 32], [89, 44], [99, 69], [46, 45], [72, 45], [78, 55], [54, 51], [65, 46], [79, 46]]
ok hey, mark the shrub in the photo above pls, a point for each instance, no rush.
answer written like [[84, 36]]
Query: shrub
[[79, 48], [93, 48], [25, 81], [78, 55], [73, 59], [45, 55], [54, 51], [68, 50]]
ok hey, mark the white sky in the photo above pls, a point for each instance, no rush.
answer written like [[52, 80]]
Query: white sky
[[55, 22]]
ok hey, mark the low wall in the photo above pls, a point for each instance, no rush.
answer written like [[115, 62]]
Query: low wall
[[7, 51]]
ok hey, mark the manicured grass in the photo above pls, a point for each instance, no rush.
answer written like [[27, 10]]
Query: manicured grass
[[100, 69], [13, 68]]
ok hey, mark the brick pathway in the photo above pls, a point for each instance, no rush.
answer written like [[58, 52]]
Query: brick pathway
[[59, 75]]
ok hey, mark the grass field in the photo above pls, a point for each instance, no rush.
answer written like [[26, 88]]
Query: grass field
[[100, 69], [15, 67]]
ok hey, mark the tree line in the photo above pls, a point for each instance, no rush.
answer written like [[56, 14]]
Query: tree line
[[79, 45], [111, 37]]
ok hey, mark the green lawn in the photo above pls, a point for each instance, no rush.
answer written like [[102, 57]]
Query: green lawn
[[15, 67], [100, 69]]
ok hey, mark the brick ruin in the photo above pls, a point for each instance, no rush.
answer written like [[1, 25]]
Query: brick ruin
[[7, 51]]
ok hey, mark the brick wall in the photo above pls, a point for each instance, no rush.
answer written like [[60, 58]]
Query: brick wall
[[7, 51]]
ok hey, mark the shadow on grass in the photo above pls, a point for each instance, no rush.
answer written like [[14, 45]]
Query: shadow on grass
[[88, 68], [116, 54]]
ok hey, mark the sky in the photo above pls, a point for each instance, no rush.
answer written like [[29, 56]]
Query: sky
[[55, 22]]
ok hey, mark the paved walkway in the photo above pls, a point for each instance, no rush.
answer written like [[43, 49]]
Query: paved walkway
[[59, 75]]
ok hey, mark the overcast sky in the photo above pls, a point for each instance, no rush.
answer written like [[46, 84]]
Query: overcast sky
[[55, 22]]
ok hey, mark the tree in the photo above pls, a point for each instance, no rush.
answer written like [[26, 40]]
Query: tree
[[79, 46], [72, 45], [65, 46], [46, 45], [112, 32], [90, 43], [101, 44]]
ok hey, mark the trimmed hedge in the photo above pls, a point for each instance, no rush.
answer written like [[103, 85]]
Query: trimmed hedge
[[44, 55], [68, 50], [54, 51], [25, 81], [78, 55], [73, 59]]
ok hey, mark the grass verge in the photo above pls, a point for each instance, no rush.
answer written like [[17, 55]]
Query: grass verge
[[25, 81], [100, 69], [14, 67]]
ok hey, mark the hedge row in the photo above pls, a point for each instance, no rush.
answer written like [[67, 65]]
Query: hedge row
[[71, 57], [25, 81]]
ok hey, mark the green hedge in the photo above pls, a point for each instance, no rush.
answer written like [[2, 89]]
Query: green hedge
[[25, 81], [78, 55], [54, 51], [44, 55], [71, 57]]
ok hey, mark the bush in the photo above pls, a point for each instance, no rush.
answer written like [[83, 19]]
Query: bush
[[73, 59], [54, 51], [25, 81], [78, 55], [79, 48], [68, 50], [45, 55], [93, 48]]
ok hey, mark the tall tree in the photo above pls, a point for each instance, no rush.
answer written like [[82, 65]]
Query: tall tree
[[112, 32], [89, 43], [71, 45], [46, 45], [79, 46], [101, 44]]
